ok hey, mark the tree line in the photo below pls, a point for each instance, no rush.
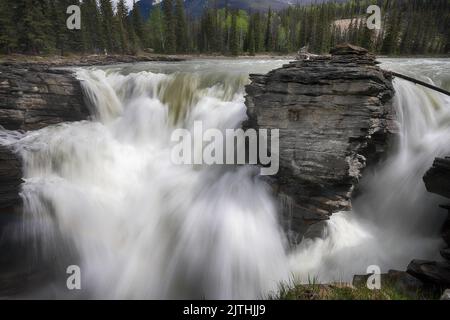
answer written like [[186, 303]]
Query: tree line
[[39, 26]]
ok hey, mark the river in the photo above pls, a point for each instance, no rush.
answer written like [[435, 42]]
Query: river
[[103, 194]]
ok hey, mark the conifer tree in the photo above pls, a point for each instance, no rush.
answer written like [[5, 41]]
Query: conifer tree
[[109, 33], [268, 37], [181, 27], [8, 36], [170, 45], [234, 40], [138, 25]]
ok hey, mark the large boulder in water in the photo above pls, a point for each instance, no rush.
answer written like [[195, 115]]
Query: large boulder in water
[[335, 118]]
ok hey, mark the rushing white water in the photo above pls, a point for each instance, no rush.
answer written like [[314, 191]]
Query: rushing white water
[[395, 219], [143, 227]]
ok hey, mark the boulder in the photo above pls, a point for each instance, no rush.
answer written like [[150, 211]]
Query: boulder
[[437, 273], [437, 179], [335, 118]]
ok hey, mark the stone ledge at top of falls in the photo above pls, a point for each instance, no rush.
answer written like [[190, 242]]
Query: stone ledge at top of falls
[[32, 97], [335, 117]]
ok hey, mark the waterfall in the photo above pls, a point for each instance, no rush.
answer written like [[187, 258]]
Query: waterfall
[[395, 219], [103, 194], [141, 226]]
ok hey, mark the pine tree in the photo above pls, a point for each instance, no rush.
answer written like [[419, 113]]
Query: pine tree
[[268, 42], [251, 37], [258, 32], [156, 29], [8, 39], [180, 28], [120, 20], [170, 45], [110, 36], [92, 26], [33, 26], [234, 40], [138, 23]]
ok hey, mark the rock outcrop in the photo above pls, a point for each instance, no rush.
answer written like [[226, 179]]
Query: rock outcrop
[[434, 272], [437, 180], [32, 97], [335, 118], [10, 178]]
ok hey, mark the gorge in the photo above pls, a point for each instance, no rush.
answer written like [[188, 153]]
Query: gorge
[[100, 191]]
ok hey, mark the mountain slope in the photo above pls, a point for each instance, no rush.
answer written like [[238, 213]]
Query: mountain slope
[[195, 7]]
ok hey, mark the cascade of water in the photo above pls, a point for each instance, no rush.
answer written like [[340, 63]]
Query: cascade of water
[[395, 219], [143, 227]]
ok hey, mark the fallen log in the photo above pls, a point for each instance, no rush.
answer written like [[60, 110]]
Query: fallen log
[[430, 86]]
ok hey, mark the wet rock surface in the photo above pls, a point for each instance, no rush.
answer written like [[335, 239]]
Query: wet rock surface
[[335, 118], [10, 178], [437, 179], [33, 97], [431, 271]]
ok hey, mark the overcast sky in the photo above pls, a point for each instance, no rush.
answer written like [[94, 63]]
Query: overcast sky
[[129, 3]]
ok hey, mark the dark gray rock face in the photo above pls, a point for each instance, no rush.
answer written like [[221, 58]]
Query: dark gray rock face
[[437, 179], [33, 97], [10, 178], [430, 271], [335, 118]]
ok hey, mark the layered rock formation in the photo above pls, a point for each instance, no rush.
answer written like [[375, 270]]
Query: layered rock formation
[[437, 180], [32, 97], [335, 118], [35, 97]]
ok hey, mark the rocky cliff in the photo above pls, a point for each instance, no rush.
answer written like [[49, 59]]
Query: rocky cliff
[[437, 180], [335, 118], [32, 97]]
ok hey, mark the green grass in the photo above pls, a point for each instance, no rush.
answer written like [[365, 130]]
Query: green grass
[[342, 291]]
